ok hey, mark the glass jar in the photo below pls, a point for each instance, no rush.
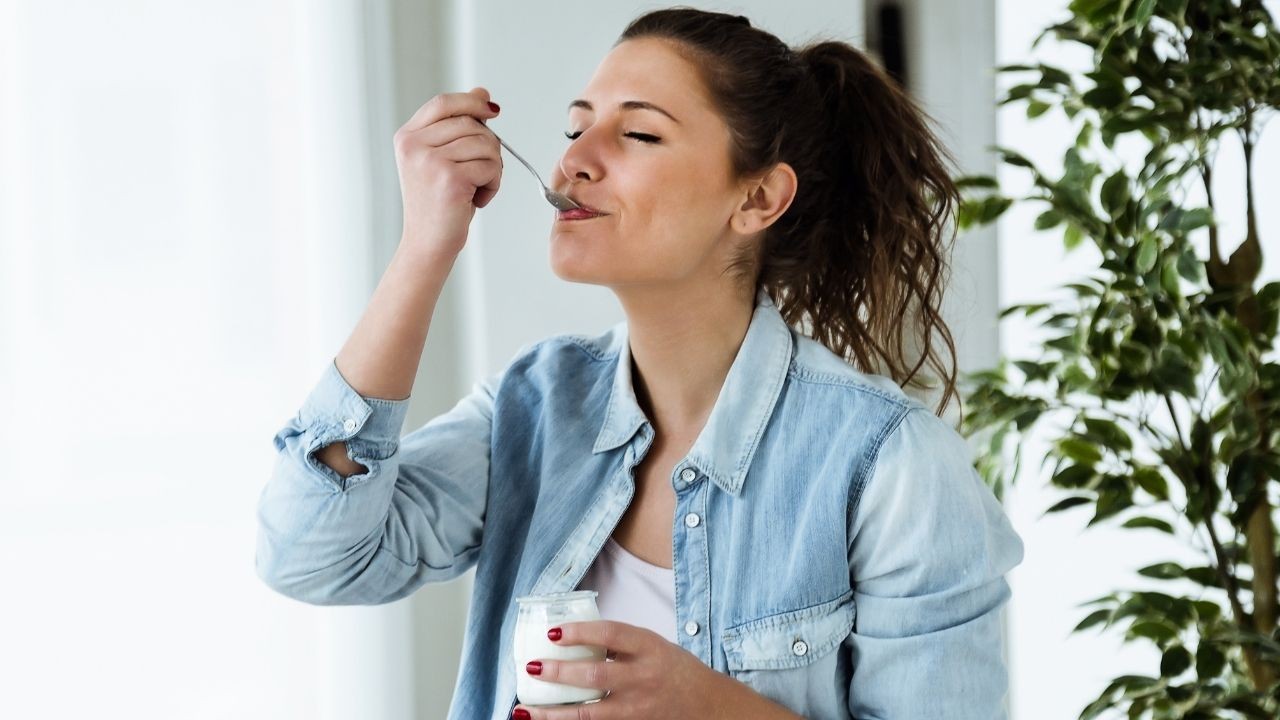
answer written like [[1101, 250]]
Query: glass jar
[[536, 615]]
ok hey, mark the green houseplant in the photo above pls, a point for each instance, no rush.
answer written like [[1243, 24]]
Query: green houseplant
[[1158, 394]]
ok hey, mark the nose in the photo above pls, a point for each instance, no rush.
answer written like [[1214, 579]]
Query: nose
[[580, 162]]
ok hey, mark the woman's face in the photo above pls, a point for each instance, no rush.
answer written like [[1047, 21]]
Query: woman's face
[[662, 177]]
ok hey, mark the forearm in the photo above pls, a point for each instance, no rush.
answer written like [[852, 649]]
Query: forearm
[[380, 358]]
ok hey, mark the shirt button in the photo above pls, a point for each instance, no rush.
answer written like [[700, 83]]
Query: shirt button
[[692, 520], [688, 475], [349, 425], [800, 647], [691, 628]]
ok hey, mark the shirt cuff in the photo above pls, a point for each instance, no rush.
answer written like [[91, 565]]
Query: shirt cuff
[[334, 411]]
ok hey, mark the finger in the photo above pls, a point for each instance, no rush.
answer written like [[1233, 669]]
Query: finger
[[440, 133], [619, 637], [474, 103], [590, 674], [602, 710], [471, 147]]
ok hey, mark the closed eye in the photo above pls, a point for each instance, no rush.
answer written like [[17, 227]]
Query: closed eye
[[642, 137]]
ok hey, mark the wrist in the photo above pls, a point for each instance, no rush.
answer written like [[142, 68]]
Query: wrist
[[421, 253]]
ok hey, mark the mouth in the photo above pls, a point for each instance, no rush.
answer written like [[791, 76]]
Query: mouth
[[583, 212]]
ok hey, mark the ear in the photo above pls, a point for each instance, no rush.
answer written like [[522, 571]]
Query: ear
[[766, 198]]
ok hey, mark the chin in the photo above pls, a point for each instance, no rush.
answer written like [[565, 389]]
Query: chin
[[572, 262]]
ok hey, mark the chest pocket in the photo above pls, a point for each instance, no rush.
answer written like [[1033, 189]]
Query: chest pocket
[[791, 657]]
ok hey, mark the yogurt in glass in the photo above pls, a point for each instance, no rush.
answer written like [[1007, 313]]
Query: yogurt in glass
[[536, 615]]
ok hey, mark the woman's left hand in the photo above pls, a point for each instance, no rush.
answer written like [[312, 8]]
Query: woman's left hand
[[649, 677]]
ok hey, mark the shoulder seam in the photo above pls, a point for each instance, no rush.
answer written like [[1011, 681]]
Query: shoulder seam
[[867, 469], [585, 343], [804, 374]]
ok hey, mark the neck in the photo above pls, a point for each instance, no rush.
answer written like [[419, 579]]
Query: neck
[[682, 346]]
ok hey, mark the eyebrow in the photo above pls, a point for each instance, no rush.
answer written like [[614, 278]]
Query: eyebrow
[[626, 105]]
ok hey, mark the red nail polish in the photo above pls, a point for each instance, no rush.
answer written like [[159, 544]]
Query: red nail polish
[[533, 668], [521, 714], [555, 634], [494, 107]]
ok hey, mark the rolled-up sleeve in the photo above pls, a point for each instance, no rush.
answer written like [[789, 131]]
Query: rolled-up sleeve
[[415, 516], [929, 549]]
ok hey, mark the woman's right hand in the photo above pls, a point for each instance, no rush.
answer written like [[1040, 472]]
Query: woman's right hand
[[449, 165]]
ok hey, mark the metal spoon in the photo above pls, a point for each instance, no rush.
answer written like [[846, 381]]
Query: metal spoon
[[559, 200]]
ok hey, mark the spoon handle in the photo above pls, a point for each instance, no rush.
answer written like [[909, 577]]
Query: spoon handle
[[522, 160]]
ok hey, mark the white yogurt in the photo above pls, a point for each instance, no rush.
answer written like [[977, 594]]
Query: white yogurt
[[536, 615]]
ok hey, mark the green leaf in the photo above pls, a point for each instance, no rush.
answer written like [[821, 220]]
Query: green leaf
[[1204, 575], [1163, 571], [1109, 433], [1175, 661], [1096, 617], [1112, 500], [1054, 76], [1150, 480], [1012, 157], [1147, 251], [1115, 193], [1143, 11], [1105, 97], [1081, 451], [1169, 278], [1074, 476], [977, 181], [1157, 630], [1048, 219], [992, 208], [1210, 661], [1148, 522], [1072, 237], [1191, 267], [1028, 309], [1036, 108], [1067, 504], [1192, 219]]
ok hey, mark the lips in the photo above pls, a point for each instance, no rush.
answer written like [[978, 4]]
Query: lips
[[577, 214], [585, 206]]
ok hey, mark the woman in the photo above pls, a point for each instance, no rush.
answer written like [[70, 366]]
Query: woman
[[773, 533]]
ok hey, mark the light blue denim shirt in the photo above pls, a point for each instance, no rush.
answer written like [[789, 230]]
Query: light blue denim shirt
[[846, 560]]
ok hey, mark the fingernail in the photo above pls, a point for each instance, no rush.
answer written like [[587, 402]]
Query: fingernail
[[555, 634], [533, 668], [521, 714], [494, 107]]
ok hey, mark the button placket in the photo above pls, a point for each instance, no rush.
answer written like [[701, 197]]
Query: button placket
[[693, 592]]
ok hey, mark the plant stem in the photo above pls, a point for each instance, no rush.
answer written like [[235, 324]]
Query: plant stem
[[1258, 670], [1260, 534]]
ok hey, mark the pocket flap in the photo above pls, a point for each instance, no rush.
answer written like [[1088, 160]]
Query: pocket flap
[[790, 639]]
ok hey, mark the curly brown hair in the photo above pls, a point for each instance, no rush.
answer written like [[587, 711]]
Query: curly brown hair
[[859, 261]]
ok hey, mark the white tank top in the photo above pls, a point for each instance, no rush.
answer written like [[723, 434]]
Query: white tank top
[[633, 591]]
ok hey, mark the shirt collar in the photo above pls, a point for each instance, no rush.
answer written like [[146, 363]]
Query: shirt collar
[[733, 430]]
